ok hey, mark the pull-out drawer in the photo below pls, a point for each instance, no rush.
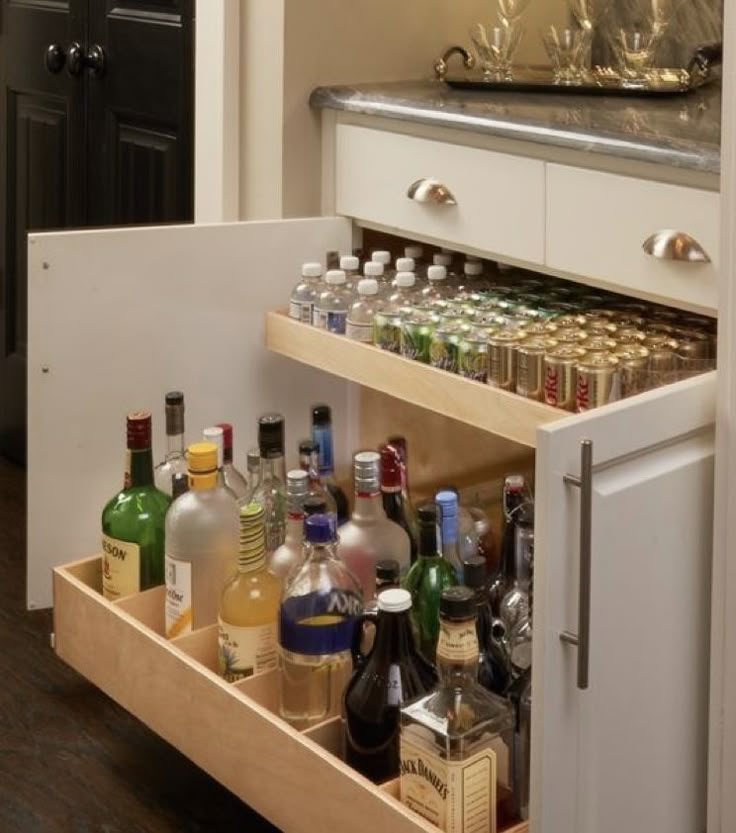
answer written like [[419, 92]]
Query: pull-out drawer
[[598, 223], [499, 199]]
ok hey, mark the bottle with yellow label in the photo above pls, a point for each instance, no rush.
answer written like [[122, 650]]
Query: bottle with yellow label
[[249, 606], [133, 521], [202, 531]]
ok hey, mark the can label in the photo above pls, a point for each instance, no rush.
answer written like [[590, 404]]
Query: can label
[[530, 374], [559, 383], [502, 366], [596, 386], [474, 364]]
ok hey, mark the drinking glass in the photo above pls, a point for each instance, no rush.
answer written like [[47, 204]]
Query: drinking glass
[[510, 11], [635, 51], [496, 46], [565, 49]]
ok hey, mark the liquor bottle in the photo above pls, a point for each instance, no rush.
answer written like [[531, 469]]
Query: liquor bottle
[[317, 621], [514, 494], [494, 672], [359, 325], [253, 465], [369, 536], [394, 672], [399, 443], [429, 576], [316, 505], [447, 506], [179, 484], [215, 435], [285, 558], [437, 286], [309, 462], [515, 604], [270, 492], [247, 632], [458, 739], [331, 306], [202, 530], [304, 294], [175, 461], [133, 521], [392, 495], [234, 480], [322, 435]]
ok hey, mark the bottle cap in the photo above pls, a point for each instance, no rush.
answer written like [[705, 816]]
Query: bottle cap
[[399, 443], [394, 600], [318, 529], [372, 269], [216, 436], [387, 570], [202, 457], [514, 482], [405, 264], [271, 435], [427, 515], [405, 279], [179, 484], [315, 505], [227, 434], [297, 483], [138, 426], [349, 263], [415, 252], [368, 286], [174, 398], [335, 277], [473, 267], [475, 572], [307, 448], [312, 270], [321, 415], [442, 259], [457, 603], [437, 273], [366, 469], [253, 460], [390, 467], [447, 501], [381, 257]]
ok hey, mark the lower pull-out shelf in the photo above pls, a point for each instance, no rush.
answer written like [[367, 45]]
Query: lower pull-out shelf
[[295, 779]]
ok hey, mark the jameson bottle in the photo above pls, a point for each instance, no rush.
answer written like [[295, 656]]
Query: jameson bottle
[[428, 577], [249, 606], [322, 435], [175, 460], [133, 521], [393, 673], [270, 491]]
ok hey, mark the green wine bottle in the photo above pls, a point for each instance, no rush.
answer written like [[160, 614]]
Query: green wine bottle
[[428, 577], [133, 521]]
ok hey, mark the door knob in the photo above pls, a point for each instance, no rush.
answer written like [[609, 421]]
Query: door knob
[[93, 59], [55, 58]]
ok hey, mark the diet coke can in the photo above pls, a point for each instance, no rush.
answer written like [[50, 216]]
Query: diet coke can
[[559, 376], [598, 381]]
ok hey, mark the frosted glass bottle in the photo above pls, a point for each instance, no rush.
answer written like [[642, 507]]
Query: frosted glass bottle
[[332, 305], [359, 325], [304, 294]]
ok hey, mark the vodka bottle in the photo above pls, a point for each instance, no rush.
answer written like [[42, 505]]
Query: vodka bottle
[[175, 460], [285, 558], [305, 293], [253, 465]]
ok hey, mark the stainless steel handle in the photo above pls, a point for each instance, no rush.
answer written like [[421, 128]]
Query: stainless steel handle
[[670, 244], [430, 191], [585, 484]]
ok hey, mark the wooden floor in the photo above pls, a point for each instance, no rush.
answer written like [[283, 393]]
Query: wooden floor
[[71, 761]]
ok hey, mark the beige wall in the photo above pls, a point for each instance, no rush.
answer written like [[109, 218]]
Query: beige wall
[[292, 46]]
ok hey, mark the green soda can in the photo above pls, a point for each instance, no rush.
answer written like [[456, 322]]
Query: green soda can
[[416, 335], [473, 354], [445, 346]]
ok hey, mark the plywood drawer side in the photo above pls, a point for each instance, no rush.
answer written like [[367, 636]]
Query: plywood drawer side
[[597, 223], [500, 198]]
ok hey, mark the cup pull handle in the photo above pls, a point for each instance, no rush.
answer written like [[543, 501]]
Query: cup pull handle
[[430, 191], [585, 484], [670, 244]]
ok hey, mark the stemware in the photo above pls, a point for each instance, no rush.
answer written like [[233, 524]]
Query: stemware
[[496, 46], [565, 48], [510, 11]]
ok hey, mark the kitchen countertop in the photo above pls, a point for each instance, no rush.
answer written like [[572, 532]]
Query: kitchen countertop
[[680, 131]]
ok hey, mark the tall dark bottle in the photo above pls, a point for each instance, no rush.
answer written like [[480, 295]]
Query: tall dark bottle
[[322, 435], [515, 493], [494, 672], [395, 503], [393, 673]]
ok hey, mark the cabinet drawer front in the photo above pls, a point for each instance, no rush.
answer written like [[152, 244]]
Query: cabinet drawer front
[[597, 224], [500, 198]]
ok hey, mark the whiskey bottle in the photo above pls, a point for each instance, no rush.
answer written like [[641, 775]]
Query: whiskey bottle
[[175, 460], [456, 744]]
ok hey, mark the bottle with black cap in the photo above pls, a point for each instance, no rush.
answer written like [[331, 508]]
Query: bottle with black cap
[[175, 461], [309, 462], [270, 492], [322, 435], [460, 736]]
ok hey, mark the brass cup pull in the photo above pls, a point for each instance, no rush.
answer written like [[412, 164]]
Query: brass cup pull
[[430, 191], [670, 244]]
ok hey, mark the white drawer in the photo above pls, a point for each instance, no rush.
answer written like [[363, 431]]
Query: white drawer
[[500, 198], [598, 222]]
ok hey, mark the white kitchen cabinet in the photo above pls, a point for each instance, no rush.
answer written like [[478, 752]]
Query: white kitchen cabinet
[[119, 316]]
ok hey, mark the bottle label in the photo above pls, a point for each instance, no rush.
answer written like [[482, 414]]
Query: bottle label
[[319, 623], [359, 332], [121, 568], [336, 322], [178, 607], [395, 693], [301, 310], [245, 651], [456, 796], [458, 642]]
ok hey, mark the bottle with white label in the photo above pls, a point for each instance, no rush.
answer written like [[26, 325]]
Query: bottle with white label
[[331, 306], [457, 743], [394, 672], [305, 293], [359, 326], [247, 625], [202, 532]]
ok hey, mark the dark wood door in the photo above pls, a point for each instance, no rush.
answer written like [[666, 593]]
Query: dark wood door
[[85, 144]]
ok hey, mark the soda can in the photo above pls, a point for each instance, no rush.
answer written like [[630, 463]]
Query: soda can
[[660, 328], [659, 340], [387, 330], [559, 376], [502, 348], [570, 335], [597, 381], [444, 350], [663, 315], [605, 312], [626, 320], [530, 366], [416, 335], [597, 325], [599, 344], [663, 363], [543, 329], [473, 355], [632, 308], [592, 299], [570, 321], [633, 365], [631, 335], [694, 352]]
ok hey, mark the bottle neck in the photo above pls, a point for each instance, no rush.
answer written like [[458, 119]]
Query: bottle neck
[[322, 435], [227, 456], [273, 467], [140, 462], [393, 636], [203, 481], [457, 653], [174, 445], [368, 507], [449, 535], [295, 528], [428, 542]]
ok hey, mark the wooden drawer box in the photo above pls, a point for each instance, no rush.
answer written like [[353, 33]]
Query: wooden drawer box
[[500, 198], [296, 780], [597, 223]]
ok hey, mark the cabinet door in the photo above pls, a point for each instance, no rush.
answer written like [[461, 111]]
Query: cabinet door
[[120, 316], [628, 752]]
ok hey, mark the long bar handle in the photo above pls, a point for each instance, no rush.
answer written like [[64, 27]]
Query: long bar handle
[[585, 484]]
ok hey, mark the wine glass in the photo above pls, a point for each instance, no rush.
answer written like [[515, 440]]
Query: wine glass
[[510, 11], [564, 47], [496, 46], [636, 50]]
